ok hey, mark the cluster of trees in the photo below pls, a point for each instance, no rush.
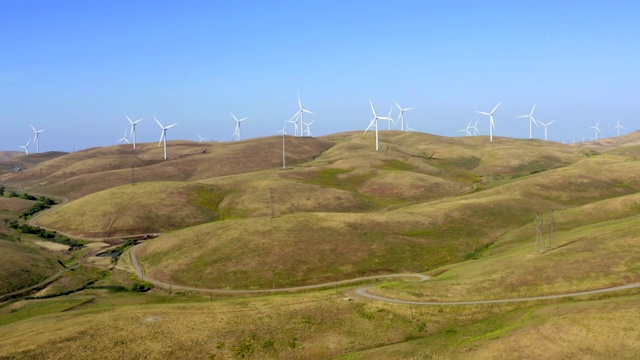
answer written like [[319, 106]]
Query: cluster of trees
[[48, 235], [43, 203]]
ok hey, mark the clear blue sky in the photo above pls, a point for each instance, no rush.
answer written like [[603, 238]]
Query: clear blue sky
[[75, 68]]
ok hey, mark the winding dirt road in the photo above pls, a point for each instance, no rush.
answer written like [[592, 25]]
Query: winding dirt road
[[364, 291]]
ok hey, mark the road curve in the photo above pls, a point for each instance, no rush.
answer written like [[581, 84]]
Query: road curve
[[140, 273], [364, 291]]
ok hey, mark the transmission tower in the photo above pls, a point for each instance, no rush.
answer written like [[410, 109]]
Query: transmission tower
[[539, 230]]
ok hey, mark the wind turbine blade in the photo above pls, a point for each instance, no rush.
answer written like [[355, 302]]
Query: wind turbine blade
[[307, 111], [483, 113], [243, 119], [372, 109], [295, 116], [158, 122], [407, 109], [161, 137], [534, 107], [494, 109], [397, 105], [34, 129], [234, 117], [170, 126], [299, 102], [550, 122], [125, 115]]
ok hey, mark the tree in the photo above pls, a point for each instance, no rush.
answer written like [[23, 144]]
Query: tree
[[1, 190]]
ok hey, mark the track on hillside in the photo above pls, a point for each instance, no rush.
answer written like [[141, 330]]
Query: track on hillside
[[363, 291]]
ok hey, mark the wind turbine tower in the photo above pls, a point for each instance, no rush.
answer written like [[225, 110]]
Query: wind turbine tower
[[618, 127], [299, 114], [545, 128], [238, 122], [491, 123], [401, 116], [133, 130], [596, 129], [36, 139], [163, 135], [283, 132], [26, 147], [532, 121], [375, 122]]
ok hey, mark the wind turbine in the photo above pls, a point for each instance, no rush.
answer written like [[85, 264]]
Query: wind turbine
[[545, 128], [284, 164], [491, 123], [401, 116], [618, 127], [390, 119], [375, 121], [26, 147], [133, 130], [124, 137], [299, 114], [532, 121], [163, 136], [295, 124], [475, 128], [200, 138], [309, 128], [596, 128], [237, 133], [467, 129], [36, 139]]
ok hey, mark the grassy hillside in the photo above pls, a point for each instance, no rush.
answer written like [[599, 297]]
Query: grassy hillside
[[22, 263]]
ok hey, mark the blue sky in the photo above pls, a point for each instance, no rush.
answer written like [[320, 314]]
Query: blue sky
[[75, 68]]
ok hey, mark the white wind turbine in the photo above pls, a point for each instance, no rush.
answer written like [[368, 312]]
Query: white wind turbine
[[374, 122], [26, 147], [124, 137], [295, 125], [466, 130], [163, 136], [133, 130], [308, 125], [283, 132], [475, 128], [618, 127], [545, 128], [596, 129], [36, 139], [237, 133], [401, 116], [532, 121], [200, 138], [299, 114], [491, 123]]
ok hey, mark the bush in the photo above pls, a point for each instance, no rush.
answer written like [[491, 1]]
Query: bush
[[2, 190], [142, 286]]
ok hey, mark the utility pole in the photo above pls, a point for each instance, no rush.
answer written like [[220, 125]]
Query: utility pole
[[539, 230], [271, 214], [551, 223]]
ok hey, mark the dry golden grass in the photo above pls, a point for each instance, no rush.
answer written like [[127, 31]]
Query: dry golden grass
[[310, 326], [23, 264], [14, 204], [134, 209], [599, 329]]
